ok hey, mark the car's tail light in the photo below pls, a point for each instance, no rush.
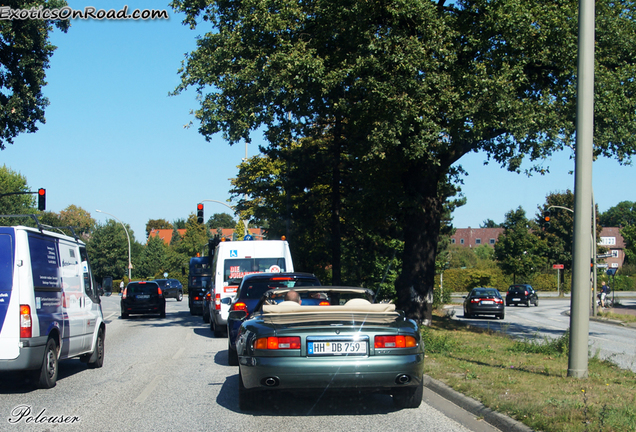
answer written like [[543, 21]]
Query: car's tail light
[[239, 306], [395, 342], [498, 300], [281, 278], [217, 301], [208, 296], [525, 293], [476, 300], [26, 324], [276, 343], [159, 291], [125, 293]]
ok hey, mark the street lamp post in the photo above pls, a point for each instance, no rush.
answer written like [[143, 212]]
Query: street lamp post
[[127, 236], [245, 222]]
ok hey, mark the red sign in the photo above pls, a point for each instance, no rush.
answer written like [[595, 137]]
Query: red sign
[[558, 266]]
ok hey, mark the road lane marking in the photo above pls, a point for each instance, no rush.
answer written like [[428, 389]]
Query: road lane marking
[[178, 354], [149, 389], [109, 316]]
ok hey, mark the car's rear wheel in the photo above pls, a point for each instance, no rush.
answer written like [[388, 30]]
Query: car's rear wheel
[[180, 296], [48, 372], [536, 302], [218, 333], [408, 397], [246, 397], [232, 355]]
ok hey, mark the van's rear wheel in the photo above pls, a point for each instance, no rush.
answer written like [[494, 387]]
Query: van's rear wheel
[[48, 371], [98, 355]]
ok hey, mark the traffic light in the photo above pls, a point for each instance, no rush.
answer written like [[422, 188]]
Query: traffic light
[[200, 213], [546, 219], [41, 199]]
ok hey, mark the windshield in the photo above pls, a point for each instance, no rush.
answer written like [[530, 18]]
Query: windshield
[[255, 288]]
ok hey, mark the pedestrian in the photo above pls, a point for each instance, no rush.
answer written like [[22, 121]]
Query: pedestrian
[[604, 292]]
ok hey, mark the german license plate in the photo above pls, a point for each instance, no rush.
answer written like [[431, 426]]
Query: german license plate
[[487, 302], [516, 299], [143, 296], [337, 348]]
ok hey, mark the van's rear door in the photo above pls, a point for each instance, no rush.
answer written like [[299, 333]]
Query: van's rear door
[[9, 300]]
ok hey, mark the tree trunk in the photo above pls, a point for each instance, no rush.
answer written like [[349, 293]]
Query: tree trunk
[[336, 243], [421, 225]]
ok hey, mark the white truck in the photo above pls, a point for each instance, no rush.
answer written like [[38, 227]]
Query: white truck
[[233, 260], [49, 306]]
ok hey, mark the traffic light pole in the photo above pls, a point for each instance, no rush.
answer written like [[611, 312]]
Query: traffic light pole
[[41, 193]]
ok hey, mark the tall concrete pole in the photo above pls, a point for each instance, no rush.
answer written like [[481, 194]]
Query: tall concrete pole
[[581, 287]]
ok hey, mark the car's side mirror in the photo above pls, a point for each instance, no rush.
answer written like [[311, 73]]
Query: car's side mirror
[[226, 300], [237, 315]]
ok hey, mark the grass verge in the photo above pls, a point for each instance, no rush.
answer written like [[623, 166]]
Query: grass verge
[[527, 380]]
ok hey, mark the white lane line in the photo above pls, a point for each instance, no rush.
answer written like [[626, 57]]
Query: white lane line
[[178, 354], [149, 389], [111, 315]]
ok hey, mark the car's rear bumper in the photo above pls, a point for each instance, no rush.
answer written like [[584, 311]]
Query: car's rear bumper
[[373, 372], [486, 310]]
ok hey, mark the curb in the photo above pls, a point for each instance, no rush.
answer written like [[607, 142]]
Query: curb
[[498, 420]]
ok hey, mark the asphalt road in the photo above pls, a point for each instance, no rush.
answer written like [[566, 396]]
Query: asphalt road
[[171, 374], [551, 319]]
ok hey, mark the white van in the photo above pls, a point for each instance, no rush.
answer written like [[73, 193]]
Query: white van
[[49, 306], [233, 260]]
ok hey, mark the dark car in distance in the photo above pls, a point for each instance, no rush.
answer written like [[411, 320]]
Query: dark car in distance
[[171, 288], [251, 289], [143, 297], [521, 294], [484, 301]]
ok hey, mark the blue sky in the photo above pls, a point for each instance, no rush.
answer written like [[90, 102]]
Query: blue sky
[[115, 140]]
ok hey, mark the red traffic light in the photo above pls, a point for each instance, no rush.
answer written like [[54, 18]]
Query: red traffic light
[[200, 213], [41, 199]]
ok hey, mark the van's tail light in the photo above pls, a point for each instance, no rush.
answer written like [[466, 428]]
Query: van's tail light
[[217, 301], [276, 343], [239, 306], [395, 342], [124, 295], [26, 324]]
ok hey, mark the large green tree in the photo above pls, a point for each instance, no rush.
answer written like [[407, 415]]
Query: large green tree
[[220, 220], [518, 251], [404, 89], [25, 52], [108, 250], [10, 182], [622, 214]]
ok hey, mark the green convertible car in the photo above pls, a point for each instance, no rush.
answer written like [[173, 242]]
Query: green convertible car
[[345, 343]]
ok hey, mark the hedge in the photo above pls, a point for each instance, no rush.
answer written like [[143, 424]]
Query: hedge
[[463, 280]]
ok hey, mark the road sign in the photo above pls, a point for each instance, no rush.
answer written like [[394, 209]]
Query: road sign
[[601, 266], [558, 266]]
